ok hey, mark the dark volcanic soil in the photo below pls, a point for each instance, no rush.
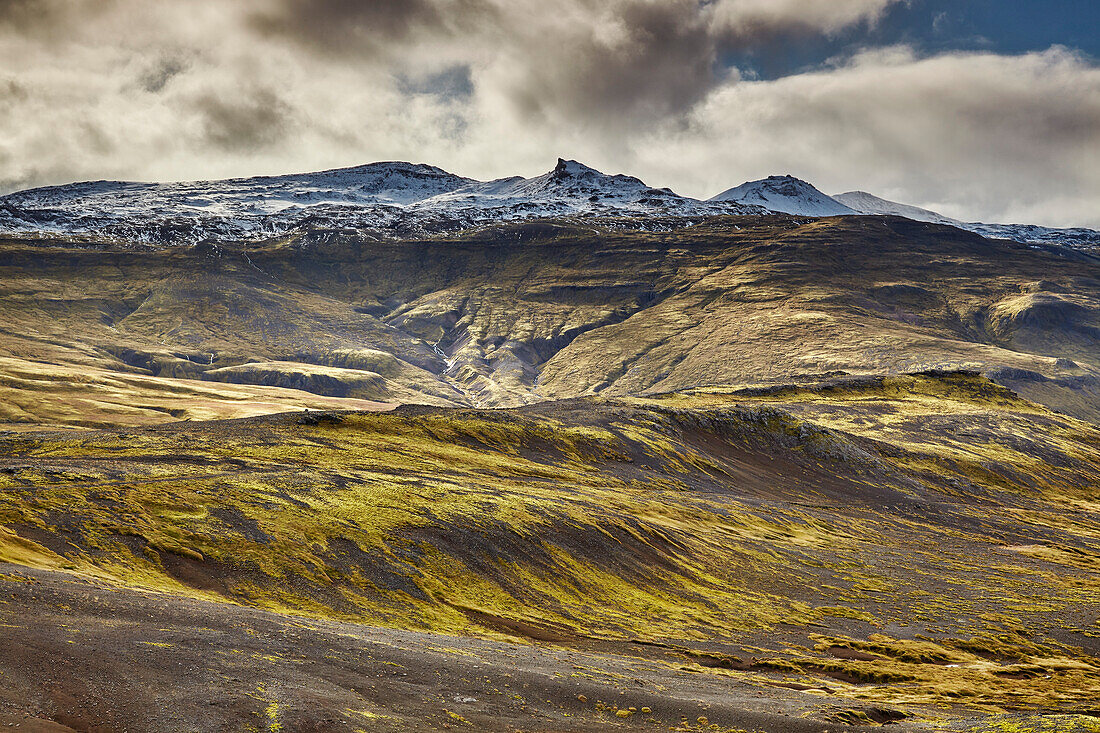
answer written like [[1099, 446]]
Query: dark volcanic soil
[[78, 655]]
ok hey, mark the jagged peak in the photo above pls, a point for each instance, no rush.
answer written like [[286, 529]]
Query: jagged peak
[[571, 168], [787, 180]]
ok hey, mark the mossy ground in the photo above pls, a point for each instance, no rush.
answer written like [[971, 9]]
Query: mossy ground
[[862, 552]]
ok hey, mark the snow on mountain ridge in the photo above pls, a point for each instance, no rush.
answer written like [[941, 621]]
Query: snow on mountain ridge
[[571, 187], [374, 196], [391, 182], [785, 194], [1077, 238], [407, 197]]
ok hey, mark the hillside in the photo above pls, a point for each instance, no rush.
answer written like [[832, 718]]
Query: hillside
[[767, 473], [515, 313], [836, 538]]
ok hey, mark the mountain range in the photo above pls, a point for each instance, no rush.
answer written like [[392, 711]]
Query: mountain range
[[388, 198], [390, 449]]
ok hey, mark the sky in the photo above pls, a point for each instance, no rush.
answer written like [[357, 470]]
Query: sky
[[980, 109]]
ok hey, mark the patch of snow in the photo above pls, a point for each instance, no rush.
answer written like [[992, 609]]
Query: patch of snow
[[1078, 238]]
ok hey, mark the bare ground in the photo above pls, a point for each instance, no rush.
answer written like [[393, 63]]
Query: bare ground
[[80, 655]]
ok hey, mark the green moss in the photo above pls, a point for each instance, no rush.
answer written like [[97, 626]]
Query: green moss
[[641, 524]]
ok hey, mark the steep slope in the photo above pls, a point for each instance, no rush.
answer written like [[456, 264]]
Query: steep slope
[[785, 194]]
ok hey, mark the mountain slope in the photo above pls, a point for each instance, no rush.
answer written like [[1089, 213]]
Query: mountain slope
[[865, 203], [520, 312], [761, 472], [785, 194], [917, 550]]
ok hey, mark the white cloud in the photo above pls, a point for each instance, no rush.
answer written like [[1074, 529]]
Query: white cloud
[[750, 16]]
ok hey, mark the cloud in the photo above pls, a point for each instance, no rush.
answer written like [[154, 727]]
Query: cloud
[[750, 19], [160, 72], [372, 27], [249, 121], [496, 87], [623, 63], [974, 135], [572, 60]]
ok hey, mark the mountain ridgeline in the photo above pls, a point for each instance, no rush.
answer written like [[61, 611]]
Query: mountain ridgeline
[[396, 199]]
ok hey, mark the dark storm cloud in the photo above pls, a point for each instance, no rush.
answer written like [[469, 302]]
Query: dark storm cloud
[[162, 71], [366, 26], [586, 62], [244, 122], [50, 19], [12, 91], [645, 60], [24, 14], [579, 60]]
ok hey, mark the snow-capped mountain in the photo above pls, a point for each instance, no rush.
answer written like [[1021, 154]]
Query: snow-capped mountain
[[232, 207], [785, 194], [864, 203], [396, 198], [569, 189], [377, 197], [396, 184], [1076, 237]]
